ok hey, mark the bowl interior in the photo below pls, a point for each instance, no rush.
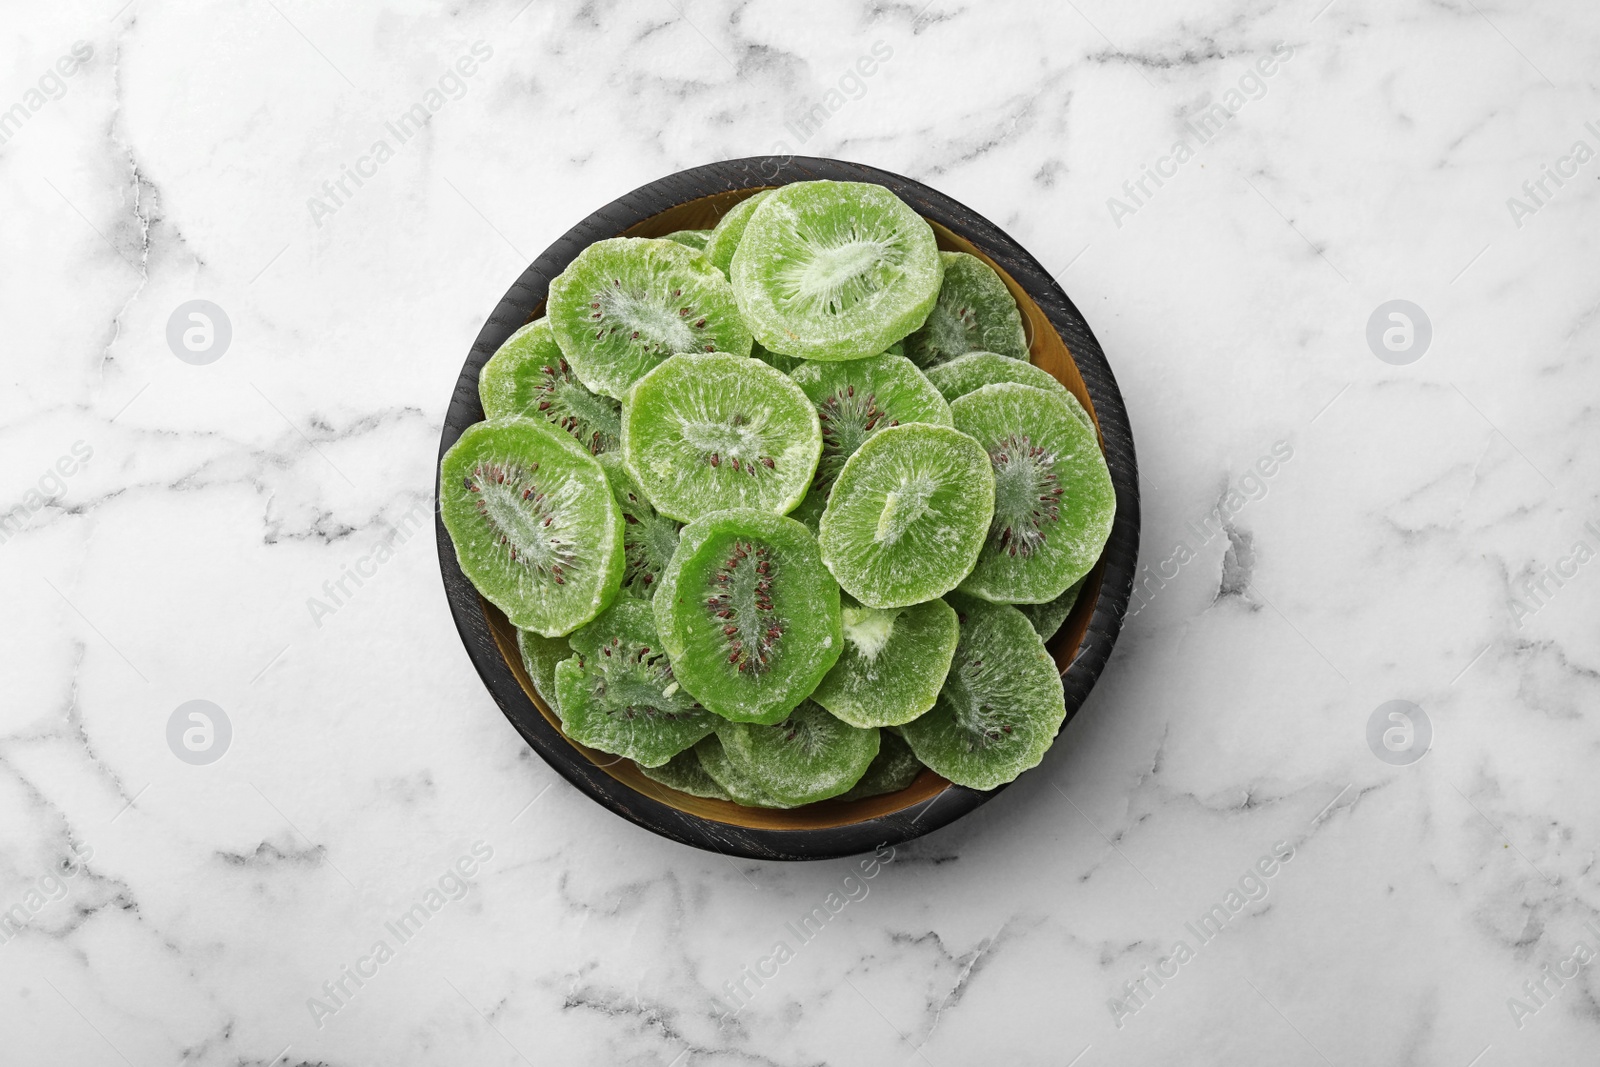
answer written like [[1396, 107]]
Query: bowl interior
[[1047, 350]]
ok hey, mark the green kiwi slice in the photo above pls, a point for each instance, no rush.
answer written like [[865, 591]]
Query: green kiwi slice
[[1053, 499], [975, 312], [534, 523], [835, 270], [908, 515], [1001, 705], [748, 614], [855, 400], [540, 656], [711, 431], [529, 376], [648, 537], [627, 303], [1048, 617], [618, 694], [695, 239], [971, 372], [894, 662], [685, 773], [719, 247], [741, 786], [894, 769], [807, 756]]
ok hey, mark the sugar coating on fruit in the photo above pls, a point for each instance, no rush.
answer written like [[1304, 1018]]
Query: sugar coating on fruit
[[529, 376], [868, 629], [1048, 617], [1053, 500], [540, 657], [724, 237], [973, 371], [808, 756], [618, 693], [648, 537], [533, 522], [1002, 702], [628, 303], [975, 312], [908, 515], [708, 432], [748, 614], [695, 239], [894, 663], [742, 786], [835, 270], [856, 399], [893, 769], [685, 773]]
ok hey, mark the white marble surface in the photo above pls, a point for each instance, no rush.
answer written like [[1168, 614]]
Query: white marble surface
[[206, 905]]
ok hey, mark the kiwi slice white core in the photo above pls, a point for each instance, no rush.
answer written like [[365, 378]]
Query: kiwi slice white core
[[642, 316], [537, 530], [1027, 494]]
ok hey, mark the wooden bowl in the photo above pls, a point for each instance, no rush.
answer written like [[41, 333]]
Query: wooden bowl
[[1060, 341]]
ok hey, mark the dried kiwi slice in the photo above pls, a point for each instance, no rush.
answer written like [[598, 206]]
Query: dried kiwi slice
[[975, 313], [835, 270], [1001, 704], [893, 665], [1053, 499], [712, 431], [627, 303], [648, 537], [908, 515], [971, 372], [1048, 617], [618, 693], [741, 786], [540, 655], [534, 523], [695, 239], [855, 400], [725, 237], [529, 376], [684, 773], [806, 757], [748, 614], [894, 769]]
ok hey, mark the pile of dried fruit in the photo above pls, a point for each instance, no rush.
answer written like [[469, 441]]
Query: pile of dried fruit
[[627, 504]]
